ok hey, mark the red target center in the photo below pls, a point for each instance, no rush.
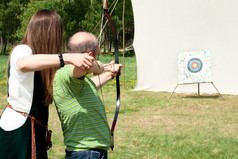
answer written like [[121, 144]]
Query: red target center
[[194, 65]]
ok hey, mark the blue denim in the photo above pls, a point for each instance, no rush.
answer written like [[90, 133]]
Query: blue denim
[[88, 154]]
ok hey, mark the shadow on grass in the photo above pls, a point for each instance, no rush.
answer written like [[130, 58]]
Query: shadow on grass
[[214, 96], [196, 96]]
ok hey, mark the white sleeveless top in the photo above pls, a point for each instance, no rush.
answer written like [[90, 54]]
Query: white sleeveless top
[[20, 91]]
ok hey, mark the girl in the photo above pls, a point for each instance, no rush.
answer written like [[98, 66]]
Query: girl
[[32, 66]]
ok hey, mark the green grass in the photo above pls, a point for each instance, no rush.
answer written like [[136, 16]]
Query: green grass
[[3, 77], [152, 126]]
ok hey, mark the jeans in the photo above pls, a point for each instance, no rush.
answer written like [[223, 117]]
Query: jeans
[[88, 154]]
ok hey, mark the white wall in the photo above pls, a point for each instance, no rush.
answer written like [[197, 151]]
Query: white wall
[[163, 28]]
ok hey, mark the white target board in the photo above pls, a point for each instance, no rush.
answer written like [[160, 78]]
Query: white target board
[[194, 67]]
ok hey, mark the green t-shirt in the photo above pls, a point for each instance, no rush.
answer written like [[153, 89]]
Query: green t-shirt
[[81, 112]]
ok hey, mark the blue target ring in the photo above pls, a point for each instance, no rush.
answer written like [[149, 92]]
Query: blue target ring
[[194, 65]]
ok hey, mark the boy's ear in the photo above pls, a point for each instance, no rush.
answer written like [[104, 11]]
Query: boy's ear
[[90, 53]]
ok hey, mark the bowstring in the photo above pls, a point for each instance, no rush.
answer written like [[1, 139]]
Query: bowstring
[[99, 80], [100, 85], [99, 39], [114, 3]]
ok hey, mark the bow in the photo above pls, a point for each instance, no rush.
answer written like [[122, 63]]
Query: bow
[[117, 78]]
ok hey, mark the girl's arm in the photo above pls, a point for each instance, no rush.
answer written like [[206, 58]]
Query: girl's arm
[[43, 61]]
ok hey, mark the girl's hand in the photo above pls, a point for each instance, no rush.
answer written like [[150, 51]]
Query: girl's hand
[[82, 61]]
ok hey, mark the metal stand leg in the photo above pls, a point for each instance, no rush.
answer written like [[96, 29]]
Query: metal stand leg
[[198, 89], [173, 91], [217, 90]]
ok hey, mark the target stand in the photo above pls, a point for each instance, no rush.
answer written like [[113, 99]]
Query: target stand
[[194, 68], [198, 93]]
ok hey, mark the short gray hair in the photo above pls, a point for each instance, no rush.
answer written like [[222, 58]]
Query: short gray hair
[[83, 47]]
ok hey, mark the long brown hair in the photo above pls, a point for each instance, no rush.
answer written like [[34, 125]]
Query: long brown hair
[[44, 35]]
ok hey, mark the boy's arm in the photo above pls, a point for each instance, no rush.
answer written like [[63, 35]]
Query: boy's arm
[[96, 69], [111, 73]]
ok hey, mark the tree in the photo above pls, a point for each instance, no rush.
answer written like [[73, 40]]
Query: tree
[[9, 22], [77, 15], [72, 13], [94, 14]]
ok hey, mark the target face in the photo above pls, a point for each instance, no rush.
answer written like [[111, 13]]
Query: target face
[[194, 65]]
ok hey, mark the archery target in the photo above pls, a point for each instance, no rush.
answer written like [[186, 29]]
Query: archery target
[[194, 67]]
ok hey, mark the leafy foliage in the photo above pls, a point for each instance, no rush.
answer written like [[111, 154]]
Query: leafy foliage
[[77, 15]]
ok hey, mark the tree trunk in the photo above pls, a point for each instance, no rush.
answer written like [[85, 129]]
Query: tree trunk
[[1, 45], [4, 46], [108, 40], [104, 43]]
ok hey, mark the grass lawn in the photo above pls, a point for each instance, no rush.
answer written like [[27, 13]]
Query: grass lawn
[[152, 126]]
